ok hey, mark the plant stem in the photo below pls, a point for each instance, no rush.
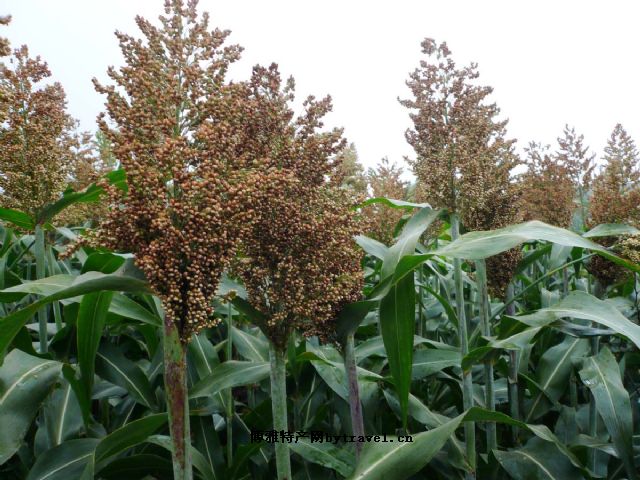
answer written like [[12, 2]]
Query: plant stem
[[598, 291], [420, 322], [230, 405], [40, 274], [279, 408], [175, 380], [565, 282], [355, 406], [483, 307], [467, 381], [514, 409]]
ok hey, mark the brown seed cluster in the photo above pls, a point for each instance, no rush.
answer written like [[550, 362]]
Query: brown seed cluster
[[616, 199], [464, 161], [87, 164], [299, 261], [460, 145], [547, 188], [217, 167], [616, 190], [348, 172], [34, 134], [190, 142], [386, 181], [5, 48]]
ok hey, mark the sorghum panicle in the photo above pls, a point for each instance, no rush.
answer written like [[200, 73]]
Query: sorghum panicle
[[34, 134], [616, 199], [385, 180], [299, 261], [189, 142]]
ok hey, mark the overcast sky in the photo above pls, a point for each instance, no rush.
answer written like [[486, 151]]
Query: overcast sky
[[550, 62]]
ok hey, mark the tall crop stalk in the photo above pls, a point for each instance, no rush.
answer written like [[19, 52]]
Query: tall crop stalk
[[485, 314], [279, 408], [175, 381], [229, 402], [467, 381], [355, 405], [39, 249], [598, 291], [514, 410]]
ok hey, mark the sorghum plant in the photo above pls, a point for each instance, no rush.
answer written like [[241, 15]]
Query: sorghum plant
[[34, 135], [463, 159], [177, 127], [615, 199], [548, 189], [385, 180], [35, 149], [575, 156], [299, 261], [349, 172]]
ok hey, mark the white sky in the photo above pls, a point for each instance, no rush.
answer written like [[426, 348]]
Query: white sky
[[550, 62]]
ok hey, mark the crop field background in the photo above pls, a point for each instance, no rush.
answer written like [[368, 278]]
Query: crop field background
[[212, 283]]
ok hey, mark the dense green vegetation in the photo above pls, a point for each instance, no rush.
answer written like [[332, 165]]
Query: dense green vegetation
[[214, 272]]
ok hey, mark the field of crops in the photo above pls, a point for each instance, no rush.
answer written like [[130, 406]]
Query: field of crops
[[213, 287]]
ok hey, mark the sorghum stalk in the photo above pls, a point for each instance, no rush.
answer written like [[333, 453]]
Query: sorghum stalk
[[513, 370], [279, 408], [467, 382], [483, 307], [420, 320], [51, 262], [230, 405], [565, 282], [40, 274], [598, 291], [175, 380], [355, 406]]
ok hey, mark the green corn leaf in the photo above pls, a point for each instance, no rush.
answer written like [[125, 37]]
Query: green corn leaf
[[25, 382], [601, 374]]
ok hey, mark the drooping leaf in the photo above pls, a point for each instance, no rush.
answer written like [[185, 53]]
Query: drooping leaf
[[325, 454], [372, 246], [25, 381], [538, 460], [399, 460], [479, 245], [232, 373], [610, 230], [11, 324], [408, 239], [428, 361], [112, 365], [553, 372], [17, 218], [602, 375], [581, 305], [66, 461], [251, 346], [390, 202], [128, 436]]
